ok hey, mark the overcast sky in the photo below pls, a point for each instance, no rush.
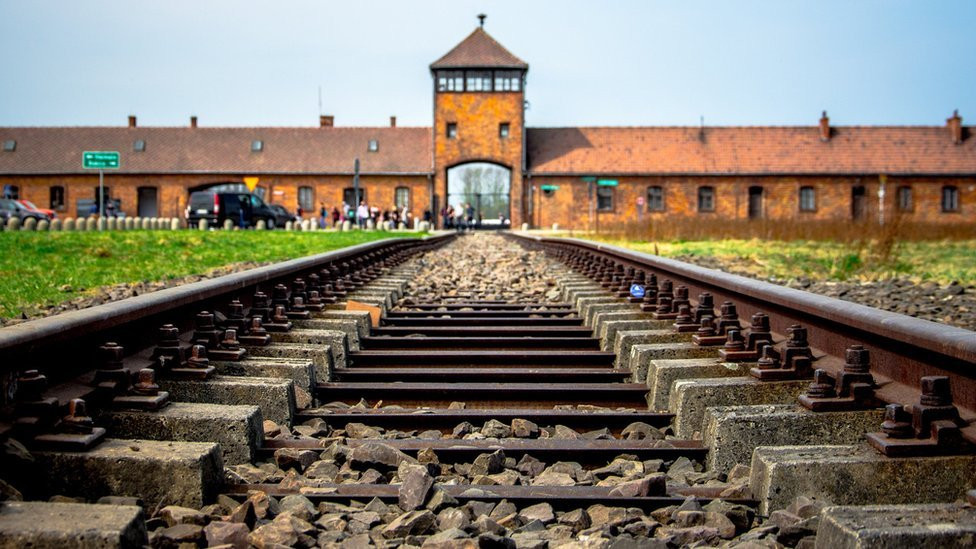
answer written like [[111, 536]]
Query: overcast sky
[[249, 63]]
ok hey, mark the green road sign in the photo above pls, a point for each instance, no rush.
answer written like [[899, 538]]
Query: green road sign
[[588, 179], [549, 187], [100, 160], [607, 182]]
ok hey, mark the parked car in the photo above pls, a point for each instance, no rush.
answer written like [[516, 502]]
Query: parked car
[[282, 215], [30, 206], [243, 209], [13, 208]]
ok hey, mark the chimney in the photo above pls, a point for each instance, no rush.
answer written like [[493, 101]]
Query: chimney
[[392, 121], [955, 127], [824, 127], [193, 121], [132, 120], [326, 120]]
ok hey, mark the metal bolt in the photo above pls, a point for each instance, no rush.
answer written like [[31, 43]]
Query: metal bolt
[[896, 424], [204, 320], [230, 340], [769, 357], [169, 336], [734, 341], [822, 386], [935, 391], [759, 323], [857, 360], [111, 356], [798, 336], [31, 385], [684, 315], [198, 357], [77, 420], [145, 384], [260, 300], [707, 328], [235, 309]]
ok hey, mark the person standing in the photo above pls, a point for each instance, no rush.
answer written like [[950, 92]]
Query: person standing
[[362, 213], [322, 213]]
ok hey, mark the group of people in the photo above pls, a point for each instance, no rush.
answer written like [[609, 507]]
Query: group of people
[[360, 215], [461, 218]]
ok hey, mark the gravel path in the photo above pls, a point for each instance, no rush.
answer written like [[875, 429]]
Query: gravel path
[[953, 304]]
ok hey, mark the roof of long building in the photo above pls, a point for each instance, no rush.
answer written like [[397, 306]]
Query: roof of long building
[[922, 150], [330, 150]]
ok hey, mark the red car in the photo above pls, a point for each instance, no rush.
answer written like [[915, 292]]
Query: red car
[[30, 206]]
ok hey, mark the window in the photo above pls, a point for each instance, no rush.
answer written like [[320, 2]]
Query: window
[[306, 198], [11, 191], [604, 199], [655, 199], [57, 198], [452, 130], [706, 199], [808, 199], [503, 130], [10, 145], [401, 197], [450, 81], [139, 145], [374, 145], [950, 199], [905, 203], [257, 145], [349, 196], [478, 81], [507, 80]]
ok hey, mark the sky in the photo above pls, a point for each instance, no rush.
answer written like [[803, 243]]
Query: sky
[[611, 63]]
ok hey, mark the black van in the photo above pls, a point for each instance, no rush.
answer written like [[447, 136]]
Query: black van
[[244, 209]]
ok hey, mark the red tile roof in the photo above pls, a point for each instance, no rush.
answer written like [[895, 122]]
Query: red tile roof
[[479, 50], [749, 150], [57, 150]]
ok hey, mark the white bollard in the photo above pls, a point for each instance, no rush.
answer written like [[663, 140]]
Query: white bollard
[[146, 223], [56, 224], [402, 226], [525, 226], [43, 225], [261, 225], [174, 224], [30, 224], [92, 223], [347, 225], [102, 224], [289, 225], [13, 224], [203, 225], [306, 225], [555, 226], [69, 224], [228, 225]]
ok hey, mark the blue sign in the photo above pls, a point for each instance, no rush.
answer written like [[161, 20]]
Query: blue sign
[[637, 290]]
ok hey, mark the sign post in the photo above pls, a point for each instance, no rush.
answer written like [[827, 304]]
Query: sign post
[[589, 180], [101, 161]]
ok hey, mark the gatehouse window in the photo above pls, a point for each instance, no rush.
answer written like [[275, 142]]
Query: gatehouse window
[[451, 81], [139, 145], [57, 198], [451, 130], [604, 199], [257, 145], [349, 196], [905, 202], [478, 81], [401, 197], [507, 80], [808, 199], [950, 199], [10, 145], [306, 198], [11, 191], [503, 130], [655, 199], [374, 145], [706, 199]]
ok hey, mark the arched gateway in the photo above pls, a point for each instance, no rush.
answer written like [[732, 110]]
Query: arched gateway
[[486, 187]]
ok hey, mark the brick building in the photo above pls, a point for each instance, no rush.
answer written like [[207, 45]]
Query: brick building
[[479, 151]]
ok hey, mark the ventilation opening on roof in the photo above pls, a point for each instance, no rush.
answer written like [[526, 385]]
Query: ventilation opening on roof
[[10, 145], [374, 145], [257, 145], [139, 145]]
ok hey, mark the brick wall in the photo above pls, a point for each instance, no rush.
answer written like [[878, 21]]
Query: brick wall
[[573, 204]]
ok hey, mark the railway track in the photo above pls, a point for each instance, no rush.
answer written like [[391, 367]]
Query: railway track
[[487, 391]]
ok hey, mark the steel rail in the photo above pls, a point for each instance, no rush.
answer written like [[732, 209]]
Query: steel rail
[[903, 349]]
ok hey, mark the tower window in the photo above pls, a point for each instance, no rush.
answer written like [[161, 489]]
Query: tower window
[[374, 145], [655, 199], [139, 145], [950, 199], [905, 202], [503, 130], [478, 81], [706, 199], [257, 145], [451, 130], [808, 199], [508, 80], [450, 81], [306, 198], [10, 145]]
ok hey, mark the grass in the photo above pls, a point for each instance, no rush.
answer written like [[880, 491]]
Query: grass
[[43, 269], [937, 261]]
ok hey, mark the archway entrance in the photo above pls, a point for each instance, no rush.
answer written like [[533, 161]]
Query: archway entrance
[[486, 187]]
